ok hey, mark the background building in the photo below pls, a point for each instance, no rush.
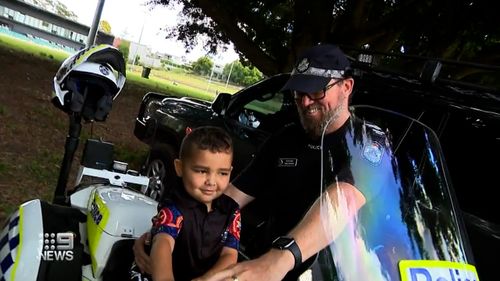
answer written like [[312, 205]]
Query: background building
[[37, 23]]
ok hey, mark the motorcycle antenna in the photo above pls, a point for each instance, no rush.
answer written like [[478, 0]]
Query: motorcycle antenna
[[75, 126], [95, 24]]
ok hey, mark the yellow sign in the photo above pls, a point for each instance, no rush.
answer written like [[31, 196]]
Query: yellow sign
[[434, 270]]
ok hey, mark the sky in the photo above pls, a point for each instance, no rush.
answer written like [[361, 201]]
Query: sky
[[129, 17]]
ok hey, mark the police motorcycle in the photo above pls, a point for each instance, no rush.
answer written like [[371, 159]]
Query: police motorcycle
[[397, 218], [86, 234]]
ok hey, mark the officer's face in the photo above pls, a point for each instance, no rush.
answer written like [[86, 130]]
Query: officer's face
[[205, 174], [314, 114]]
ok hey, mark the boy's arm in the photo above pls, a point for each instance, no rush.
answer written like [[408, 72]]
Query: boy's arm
[[161, 257], [228, 256]]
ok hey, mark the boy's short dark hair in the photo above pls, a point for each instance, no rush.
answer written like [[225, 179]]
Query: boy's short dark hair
[[209, 138]]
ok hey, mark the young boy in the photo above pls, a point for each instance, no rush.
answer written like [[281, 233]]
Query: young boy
[[197, 230]]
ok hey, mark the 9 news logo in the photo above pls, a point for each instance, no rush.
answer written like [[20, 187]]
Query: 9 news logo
[[58, 246]]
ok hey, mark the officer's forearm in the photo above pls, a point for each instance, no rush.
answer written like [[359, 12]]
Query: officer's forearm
[[326, 218]]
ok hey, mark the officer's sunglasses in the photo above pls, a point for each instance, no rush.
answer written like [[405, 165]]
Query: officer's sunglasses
[[319, 95]]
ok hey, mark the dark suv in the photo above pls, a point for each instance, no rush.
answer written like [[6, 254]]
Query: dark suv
[[250, 116], [464, 115]]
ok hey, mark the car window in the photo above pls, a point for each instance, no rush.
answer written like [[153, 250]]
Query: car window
[[263, 107], [268, 103], [268, 112]]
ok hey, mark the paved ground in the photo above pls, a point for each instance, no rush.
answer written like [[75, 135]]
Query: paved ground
[[33, 131]]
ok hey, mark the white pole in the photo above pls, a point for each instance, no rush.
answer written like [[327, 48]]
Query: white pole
[[211, 73], [134, 58], [229, 76], [95, 24]]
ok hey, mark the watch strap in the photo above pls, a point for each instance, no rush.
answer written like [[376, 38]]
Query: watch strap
[[291, 246]]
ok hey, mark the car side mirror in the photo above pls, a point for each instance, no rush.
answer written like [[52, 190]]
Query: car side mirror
[[220, 103]]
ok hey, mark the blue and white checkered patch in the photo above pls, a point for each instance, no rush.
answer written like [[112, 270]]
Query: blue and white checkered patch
[[9, 240]]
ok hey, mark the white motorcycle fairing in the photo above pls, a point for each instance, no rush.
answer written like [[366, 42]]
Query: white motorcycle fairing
[[114, 214], [103, 221], [21, 244]]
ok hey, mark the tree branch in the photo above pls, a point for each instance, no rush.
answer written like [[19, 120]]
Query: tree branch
[[263, 61]]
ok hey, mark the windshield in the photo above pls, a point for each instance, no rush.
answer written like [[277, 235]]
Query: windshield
[[393, 217]]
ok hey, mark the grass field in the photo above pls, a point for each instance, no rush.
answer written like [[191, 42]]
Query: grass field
[[172, 82], [24, 46]]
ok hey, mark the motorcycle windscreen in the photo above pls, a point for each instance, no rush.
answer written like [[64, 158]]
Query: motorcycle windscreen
[[391, 216]]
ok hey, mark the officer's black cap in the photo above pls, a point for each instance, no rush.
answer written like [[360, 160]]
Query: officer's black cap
[[316, 66]]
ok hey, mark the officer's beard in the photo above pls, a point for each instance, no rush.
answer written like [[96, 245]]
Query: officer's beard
[[314, 128]]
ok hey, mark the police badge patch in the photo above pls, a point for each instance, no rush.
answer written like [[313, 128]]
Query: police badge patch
[[104, 70], [303, 65], [373, 152]]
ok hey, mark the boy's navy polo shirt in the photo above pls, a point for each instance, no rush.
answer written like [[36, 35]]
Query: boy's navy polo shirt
[[201, 235]]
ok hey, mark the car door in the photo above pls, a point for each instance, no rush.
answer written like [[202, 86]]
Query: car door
[[254, 113]]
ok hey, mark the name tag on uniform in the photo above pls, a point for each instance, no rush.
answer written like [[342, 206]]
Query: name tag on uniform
[[288, 162]]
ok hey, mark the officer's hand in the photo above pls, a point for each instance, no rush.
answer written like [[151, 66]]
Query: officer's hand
[[271, 266], [142, 259]]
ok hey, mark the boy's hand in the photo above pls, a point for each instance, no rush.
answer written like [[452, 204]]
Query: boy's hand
[[142, 259]]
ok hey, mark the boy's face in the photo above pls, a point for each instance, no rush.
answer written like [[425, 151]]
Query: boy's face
[[205, 174]]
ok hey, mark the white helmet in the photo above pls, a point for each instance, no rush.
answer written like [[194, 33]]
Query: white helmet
[[88, 81]]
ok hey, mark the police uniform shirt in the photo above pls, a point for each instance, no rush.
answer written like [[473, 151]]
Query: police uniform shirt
[[199, 235], [286, 173]]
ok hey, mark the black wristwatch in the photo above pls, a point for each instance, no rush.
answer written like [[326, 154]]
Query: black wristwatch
[[288, 243]]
